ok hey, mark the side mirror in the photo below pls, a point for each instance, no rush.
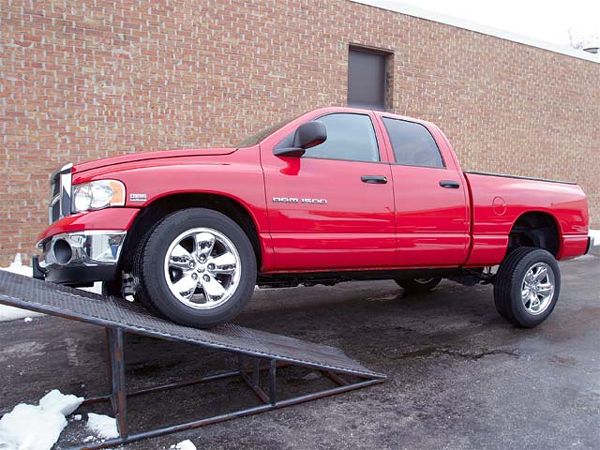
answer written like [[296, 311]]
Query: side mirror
[[306, 136]]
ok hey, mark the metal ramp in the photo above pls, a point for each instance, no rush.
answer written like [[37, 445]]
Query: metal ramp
[[259, 353]]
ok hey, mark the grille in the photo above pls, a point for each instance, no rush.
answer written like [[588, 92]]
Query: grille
[[54, 212], [54, 207], [54, 184], [60, 194]]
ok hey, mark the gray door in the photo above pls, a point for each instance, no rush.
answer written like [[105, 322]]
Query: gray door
[[366, 78]]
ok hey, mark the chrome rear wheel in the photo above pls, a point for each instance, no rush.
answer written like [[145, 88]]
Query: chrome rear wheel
[[537, 288], [527, 286]]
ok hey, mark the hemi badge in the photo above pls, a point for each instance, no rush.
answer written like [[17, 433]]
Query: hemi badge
[[138, 197]]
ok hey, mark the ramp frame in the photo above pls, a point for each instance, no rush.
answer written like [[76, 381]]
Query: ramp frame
[[249, 370], [257, 353]]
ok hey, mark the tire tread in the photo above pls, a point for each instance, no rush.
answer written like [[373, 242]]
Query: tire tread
[[514, 264], [146, 258]]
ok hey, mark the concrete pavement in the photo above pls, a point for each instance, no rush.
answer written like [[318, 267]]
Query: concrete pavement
[[459, 376]]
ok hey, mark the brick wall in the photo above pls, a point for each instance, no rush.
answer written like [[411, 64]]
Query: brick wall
[[86, 79]]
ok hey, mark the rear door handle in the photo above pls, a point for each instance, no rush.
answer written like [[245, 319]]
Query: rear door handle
[[449, 184], [374, 179]]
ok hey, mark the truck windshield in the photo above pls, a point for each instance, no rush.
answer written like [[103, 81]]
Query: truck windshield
[[255, 139]]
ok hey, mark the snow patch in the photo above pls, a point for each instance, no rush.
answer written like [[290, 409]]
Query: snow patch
[[595, 235], [104, 427], [184, 445], [18, 267], [95, 289], [11, 313], [54, 401], [37, 427], [594, 251], [28, 427]]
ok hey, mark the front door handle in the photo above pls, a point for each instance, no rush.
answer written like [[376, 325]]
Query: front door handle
[[449, 184], [373, 179]]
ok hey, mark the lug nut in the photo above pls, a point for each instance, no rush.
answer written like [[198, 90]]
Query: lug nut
[[206, 278], [211, 267], [194, 276]]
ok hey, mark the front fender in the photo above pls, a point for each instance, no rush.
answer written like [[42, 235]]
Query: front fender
[[103, 219], [237, 176]]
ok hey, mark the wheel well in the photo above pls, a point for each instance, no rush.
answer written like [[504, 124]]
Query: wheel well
[[157, 210], [535, 229]]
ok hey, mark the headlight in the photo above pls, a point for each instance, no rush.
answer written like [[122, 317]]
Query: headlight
[[97, 195]]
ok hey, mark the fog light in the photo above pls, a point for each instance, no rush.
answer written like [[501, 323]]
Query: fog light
[[62, 251]]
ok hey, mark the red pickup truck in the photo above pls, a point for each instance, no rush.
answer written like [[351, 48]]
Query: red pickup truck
[[337, 194]]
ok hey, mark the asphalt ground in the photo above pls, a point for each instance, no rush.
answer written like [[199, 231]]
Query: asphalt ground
[[459, 375]]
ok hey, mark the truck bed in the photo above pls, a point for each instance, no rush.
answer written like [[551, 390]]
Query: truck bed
[[499, 200], [519, 177]]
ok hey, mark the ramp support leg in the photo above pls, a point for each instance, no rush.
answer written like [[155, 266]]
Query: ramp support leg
[[254, 381], [117, 367], [273, 381]]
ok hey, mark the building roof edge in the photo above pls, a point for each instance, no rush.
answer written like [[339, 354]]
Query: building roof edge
[[433, 16]]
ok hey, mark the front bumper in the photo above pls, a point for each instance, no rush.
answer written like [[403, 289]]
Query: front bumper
[[593, 247], [80, 258]]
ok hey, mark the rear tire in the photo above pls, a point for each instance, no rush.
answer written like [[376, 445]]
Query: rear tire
[[418, 285], [527, 286], [181, 276]]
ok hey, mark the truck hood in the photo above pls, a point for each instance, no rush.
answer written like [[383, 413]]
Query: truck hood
[[105, 162]]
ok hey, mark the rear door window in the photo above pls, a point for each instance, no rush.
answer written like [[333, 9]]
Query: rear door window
[[413, 144]]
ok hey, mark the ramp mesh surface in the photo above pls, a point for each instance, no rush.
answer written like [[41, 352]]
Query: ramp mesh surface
[[36, 295]]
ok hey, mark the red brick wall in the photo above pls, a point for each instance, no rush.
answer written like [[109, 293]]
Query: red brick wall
[[87, 79]]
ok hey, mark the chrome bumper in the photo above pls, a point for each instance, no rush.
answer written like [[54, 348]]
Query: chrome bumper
[[593, 244], [81, 257]]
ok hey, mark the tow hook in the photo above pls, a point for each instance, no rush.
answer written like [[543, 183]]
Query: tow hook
[[129, 285]]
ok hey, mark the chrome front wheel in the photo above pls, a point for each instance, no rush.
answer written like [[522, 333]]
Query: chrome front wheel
[[202, 268], [197, 268]]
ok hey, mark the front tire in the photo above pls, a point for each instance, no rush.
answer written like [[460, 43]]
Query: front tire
[[197, 268], [112, 288], [527, 286]]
